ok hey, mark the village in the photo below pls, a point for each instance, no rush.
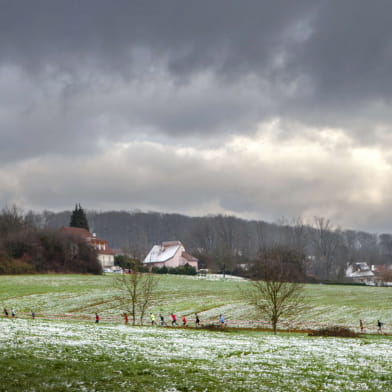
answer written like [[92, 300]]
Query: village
[[172, 254]]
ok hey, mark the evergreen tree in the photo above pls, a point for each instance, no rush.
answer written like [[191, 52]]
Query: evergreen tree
[[78, 218]]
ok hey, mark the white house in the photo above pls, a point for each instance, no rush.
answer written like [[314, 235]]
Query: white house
[[361, 273], [170, 254], [104, 253]]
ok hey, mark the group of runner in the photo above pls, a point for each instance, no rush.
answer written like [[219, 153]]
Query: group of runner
[[6, 313], [379, 326], [13, 313], [162, 322], [173, 319], [184, 320]]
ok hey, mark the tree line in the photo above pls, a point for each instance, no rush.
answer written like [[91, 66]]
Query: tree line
[[231, 244], [27, 248]]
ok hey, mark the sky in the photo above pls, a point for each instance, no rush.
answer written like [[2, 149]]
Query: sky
[[258, 109]]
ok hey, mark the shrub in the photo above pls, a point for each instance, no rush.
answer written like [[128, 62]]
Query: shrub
[[336, 331], [182, 270], [15, 267], [214, 327]]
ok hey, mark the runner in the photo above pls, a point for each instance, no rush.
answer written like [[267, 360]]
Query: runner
[[152, 319], [379, 326], [183, 321], [197, 321], [96, 318], [174, 319]]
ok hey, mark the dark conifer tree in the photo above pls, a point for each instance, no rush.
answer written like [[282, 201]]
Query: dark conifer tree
[[78, 218]]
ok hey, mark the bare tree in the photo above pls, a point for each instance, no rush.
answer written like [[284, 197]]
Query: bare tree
[[276, 290], [11, 220], [326, 240], [277, 299], [385, 273], [137, 293]]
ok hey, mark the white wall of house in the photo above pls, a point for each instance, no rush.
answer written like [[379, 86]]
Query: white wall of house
[[106, 261]]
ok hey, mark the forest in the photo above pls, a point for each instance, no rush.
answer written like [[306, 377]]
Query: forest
[[228, 243], [26, 248]]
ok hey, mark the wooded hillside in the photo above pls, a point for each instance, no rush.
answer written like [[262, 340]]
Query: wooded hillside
[[223, 242]]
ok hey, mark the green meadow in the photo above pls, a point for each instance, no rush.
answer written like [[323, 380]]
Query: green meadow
[[80, 296]]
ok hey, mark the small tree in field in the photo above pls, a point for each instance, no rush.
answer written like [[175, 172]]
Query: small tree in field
[[275, 288], [137, 292]]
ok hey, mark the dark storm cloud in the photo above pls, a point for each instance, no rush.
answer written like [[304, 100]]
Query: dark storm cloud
[[349, 53], [338, 55], [193, 34]]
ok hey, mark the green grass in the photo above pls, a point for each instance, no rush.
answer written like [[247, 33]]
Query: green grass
[[83, 295]]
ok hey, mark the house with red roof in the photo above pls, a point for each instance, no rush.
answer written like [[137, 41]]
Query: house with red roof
[[170, 254], [104, 252]]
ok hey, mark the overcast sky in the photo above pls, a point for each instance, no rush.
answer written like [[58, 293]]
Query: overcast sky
[[260, 109]]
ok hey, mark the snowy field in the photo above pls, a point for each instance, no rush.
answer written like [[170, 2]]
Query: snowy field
[[78, 297], [38, 355]]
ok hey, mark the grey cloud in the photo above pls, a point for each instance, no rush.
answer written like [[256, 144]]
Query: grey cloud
[[80, 81], [337, 54], [155, 177], [349, 53], [346, 48], [56, 116], [190, 32]]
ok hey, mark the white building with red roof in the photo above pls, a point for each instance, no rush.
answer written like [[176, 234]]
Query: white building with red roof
[[105, 254], [170, 254]]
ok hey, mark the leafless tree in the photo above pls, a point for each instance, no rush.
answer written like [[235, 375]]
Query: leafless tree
[[277, 299], [385, 273], [326, 240], [275, 290], [293, 233], [11, 220], [136, 293]]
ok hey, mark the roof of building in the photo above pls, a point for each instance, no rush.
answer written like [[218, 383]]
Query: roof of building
[[361, 274], [89, 237], [77, 231], [188, 256], [162, 253], [166, 251], [107, 251]]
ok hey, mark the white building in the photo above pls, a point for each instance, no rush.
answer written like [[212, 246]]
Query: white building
[[170, 254], [361, 273], [104, 253]]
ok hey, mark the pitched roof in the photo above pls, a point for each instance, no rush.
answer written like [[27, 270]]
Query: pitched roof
[[361, 274], [188, 256], [77, 231], [107, 251], [90, 238], [160, 253]]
